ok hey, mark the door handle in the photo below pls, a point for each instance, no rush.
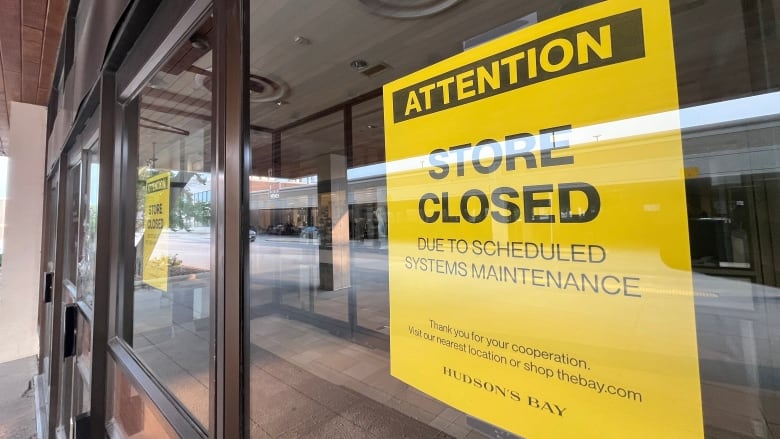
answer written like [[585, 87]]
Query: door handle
[[71, 326], [48, 286]]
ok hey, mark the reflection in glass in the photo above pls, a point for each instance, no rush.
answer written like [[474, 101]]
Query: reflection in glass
[[173, 237], [86, 264], [133, 415], [325, 353], [300, 214], [72, 222], [368, 212], [76, 232], [82, 371], [46, 330]]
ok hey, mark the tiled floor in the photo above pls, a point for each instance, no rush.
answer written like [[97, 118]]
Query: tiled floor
[[17, 399], [289, 268], [307, 382], [354, 380], [173, 346]]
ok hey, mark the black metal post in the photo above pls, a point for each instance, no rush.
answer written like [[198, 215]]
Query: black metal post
[[106, 231], [230, 202]]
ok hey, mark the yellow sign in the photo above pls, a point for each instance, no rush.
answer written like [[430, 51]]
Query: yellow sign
[[540, 274], [156, 218]]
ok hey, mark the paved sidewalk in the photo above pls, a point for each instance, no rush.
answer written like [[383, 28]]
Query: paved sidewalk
[[17, 399]]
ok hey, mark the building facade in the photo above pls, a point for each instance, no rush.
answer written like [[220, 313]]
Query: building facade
[[413, 219]]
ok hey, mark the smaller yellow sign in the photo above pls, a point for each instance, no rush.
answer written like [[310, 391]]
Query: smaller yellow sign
[[156, 218]]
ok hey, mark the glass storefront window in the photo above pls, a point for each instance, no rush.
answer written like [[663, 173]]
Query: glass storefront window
[[173, 239], [585, 189], [369, 214]]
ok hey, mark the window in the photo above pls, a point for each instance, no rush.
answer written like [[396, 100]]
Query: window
[[600, 230], [173, 239]]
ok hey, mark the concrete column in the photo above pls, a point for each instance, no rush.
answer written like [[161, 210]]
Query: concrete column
[[23, 226], [333, 221]]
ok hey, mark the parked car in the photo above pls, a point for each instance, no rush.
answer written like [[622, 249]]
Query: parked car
[[282, 229]]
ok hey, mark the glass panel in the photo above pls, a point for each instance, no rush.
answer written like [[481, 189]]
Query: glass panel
[[82, 374], [173, 225], [293, 222], [51, 226], [72, 221], [70, 389], [133, 415], [540, 154], [368, 209], [79, 279], [86, 264], [48, 308]]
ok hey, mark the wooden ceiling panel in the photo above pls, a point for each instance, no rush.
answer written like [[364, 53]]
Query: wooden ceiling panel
[[34, 14], [43, 95], [4, 122], [11, 39], [30, 33], [11, 54], [3, 115], [13, 86], [32, 42], [30, 81], [52, 33]]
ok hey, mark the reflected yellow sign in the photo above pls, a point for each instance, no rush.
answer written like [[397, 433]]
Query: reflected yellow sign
[[540, 273], [156, 218]]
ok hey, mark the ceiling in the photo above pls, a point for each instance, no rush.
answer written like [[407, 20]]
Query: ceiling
[[307, 48], [319, 74], [30, 32], [338, 32]]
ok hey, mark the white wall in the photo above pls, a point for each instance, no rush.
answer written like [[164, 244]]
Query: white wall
[[23, 220]]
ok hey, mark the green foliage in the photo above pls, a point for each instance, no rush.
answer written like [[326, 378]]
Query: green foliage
[[185, 212]]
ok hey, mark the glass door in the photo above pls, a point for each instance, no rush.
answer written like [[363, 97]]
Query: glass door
[[78, 283], [46, 308], [513, 219]]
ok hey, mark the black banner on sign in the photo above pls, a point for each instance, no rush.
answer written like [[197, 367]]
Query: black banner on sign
[[598, 43]]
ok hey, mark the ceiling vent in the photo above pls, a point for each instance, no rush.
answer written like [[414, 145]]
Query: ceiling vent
[[408, 8], [375, 69], [261, 89]]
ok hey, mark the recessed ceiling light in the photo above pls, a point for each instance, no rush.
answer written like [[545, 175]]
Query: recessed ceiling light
[[358, 64], [199, 42], [158, 83]]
